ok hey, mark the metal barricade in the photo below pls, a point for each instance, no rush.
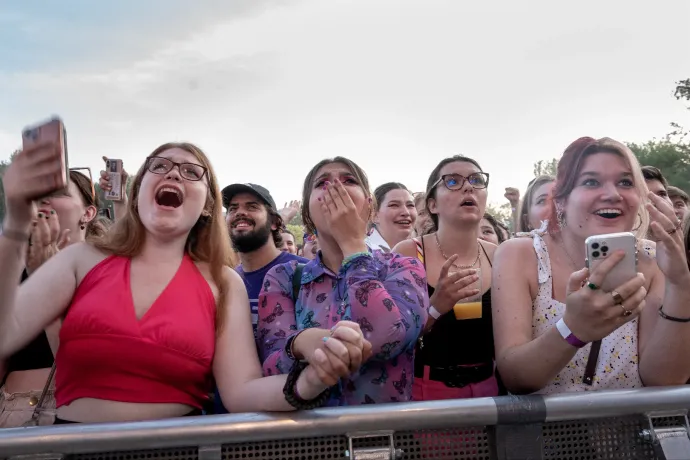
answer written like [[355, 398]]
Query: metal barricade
[[639, 424]]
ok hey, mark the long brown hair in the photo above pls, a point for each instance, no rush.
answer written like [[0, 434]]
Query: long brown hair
[[97, 226], [208, 240]]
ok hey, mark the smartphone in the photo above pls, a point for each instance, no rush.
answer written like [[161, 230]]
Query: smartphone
[[113, 168], [52, 130], [599, 247]]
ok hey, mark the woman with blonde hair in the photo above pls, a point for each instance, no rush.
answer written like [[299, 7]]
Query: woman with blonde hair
[[152, 309], [555, 328]]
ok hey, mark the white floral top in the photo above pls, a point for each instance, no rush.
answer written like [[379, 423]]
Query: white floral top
[[617, 367]]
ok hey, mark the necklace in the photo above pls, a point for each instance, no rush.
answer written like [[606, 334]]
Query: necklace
[[438, 244], [567, 253]]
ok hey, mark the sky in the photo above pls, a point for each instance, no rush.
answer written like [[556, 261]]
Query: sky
[[267, 88]]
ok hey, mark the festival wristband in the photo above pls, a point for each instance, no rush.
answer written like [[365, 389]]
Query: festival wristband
[[434, 313], [567, 334]]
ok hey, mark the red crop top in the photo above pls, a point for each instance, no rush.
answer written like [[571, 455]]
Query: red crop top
[[165, 357]]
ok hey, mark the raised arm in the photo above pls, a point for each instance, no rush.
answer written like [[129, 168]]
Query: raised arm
[[664, 342], [27, 309]]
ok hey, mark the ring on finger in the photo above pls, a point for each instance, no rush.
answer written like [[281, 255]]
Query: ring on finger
[[626, 312], [617, 298], [592, 286]]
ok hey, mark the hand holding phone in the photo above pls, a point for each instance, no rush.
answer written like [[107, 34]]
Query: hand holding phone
[[39, 170], [114, 186], [599, 247]]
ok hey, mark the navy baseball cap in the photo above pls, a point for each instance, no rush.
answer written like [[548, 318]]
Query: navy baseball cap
[[257, 190]]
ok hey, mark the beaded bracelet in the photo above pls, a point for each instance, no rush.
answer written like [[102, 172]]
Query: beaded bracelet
[[352, 257], [293, 397]]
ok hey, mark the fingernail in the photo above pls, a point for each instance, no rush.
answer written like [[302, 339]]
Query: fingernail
[[52, 211], [325, 339], [319, 198], [40, 215], [47, 216], [34, 223]]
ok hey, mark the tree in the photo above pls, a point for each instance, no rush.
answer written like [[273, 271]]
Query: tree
[[546, 168], [502, 213], [296, 230], [670, 154], [683, 90], [3, 166]]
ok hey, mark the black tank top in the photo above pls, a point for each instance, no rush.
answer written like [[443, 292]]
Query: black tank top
[[36, 355], [452, 342]]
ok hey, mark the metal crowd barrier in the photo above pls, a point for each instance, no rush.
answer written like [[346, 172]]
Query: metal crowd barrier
[[643, 424]]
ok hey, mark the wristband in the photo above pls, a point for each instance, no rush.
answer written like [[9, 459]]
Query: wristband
[[293, 397], [434, 313], [567, 334]]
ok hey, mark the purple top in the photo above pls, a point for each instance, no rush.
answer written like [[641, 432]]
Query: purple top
[[384, 293]]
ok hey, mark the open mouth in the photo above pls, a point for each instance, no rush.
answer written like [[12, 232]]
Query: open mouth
[[469, 202], [403, 222], [242, 224], [169, 197], [609, 213]]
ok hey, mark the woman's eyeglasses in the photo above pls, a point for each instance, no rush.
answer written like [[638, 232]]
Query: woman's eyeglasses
[[188, 171], [455, 182]]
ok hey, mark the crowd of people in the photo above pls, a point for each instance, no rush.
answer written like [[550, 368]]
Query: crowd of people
[[196, 299]]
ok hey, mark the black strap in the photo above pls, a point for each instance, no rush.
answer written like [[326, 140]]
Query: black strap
[[297, 281], [591, 367]]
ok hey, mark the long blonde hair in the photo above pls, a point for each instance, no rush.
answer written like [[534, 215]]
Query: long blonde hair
[[208, 241]]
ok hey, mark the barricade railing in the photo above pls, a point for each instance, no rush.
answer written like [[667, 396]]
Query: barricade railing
[[648, 423]]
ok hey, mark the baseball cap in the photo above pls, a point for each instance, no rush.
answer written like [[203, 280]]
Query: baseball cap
[[257, 190]]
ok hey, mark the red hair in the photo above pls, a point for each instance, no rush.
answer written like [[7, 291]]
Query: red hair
[[570, 165]]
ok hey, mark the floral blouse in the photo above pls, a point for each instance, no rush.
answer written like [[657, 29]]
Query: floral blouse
[[384, 293]]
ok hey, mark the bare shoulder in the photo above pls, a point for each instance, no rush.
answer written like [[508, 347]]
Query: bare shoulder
[[406, 248], [83, 257], [516, 250], [489, 248]]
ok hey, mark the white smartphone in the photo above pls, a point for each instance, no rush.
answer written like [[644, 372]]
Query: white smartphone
[[599, 247], [113, 169]]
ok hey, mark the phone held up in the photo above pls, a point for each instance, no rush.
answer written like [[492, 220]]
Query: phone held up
[[599, 247], [113, 168], [52, 130]]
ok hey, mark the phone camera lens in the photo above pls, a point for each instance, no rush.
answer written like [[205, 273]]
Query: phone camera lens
[[595, 245], [595, 254], [604, 249]]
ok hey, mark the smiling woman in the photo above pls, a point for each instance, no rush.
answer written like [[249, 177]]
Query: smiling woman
[[153, 309], [596, 339]]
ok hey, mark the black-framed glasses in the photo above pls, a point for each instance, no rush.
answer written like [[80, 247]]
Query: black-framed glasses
[[455, 182], [188, 171], [86, 172]]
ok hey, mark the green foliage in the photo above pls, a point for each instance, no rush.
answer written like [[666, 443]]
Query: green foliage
[[682, 91], [546, 168], [296, 230], [502, 213], [670, 154]]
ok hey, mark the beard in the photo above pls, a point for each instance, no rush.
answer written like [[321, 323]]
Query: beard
[[251, 241]]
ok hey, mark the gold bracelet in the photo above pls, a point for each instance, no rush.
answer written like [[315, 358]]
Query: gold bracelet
[[15, 235]]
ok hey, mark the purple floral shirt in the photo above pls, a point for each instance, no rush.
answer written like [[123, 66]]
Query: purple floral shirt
[[384, 293]]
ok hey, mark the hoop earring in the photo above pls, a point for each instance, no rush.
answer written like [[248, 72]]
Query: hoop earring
[[639, 217]]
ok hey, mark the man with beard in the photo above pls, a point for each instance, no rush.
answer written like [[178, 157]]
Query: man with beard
[[255, 228]]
